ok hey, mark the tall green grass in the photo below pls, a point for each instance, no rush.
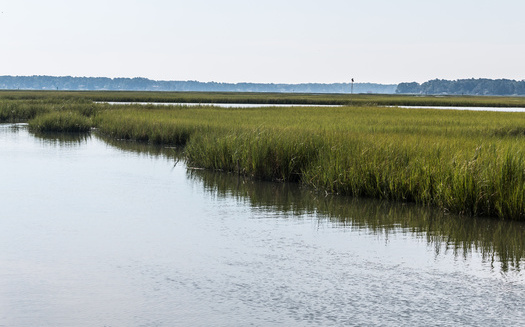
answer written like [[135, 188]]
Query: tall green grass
[[24, 110], [16, 111], [61, 122], [137, 123], [261, 153]]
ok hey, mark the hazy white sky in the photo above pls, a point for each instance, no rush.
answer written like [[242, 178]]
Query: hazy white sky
[[288, 41]]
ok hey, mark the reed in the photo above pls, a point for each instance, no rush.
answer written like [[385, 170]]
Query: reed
[[262, 153], [61, 121], [24, 110], [136, 123], [16, 111]]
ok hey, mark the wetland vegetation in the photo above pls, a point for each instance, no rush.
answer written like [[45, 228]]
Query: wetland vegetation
[[465, 162], [61, 122]]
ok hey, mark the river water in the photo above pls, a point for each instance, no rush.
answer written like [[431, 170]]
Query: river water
[[254, 105], [219, 105], [97, 232]]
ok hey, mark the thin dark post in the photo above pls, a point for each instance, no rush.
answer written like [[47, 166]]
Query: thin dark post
[[352, 87]]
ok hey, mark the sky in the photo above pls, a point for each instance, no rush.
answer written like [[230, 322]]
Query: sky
[[270, 41]]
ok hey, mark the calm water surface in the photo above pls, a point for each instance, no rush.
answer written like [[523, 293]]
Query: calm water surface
[[221, 105], [497, 109], [102, 233], [254, 105]]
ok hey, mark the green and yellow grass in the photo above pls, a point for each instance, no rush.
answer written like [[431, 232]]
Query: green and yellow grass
[[61, 122]]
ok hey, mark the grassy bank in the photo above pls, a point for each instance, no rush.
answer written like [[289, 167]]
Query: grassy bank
[[13, 110], [466, 162], [61, 122]]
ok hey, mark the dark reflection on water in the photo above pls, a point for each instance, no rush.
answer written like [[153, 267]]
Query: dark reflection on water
[[140, 148], [49, 139], [499, 242], [63, 139], [12, 128]]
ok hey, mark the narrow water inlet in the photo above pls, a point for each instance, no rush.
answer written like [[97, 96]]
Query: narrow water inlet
[[254, 105], [220, 105]]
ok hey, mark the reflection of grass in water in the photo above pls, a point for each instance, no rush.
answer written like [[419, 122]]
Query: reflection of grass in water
[[141, 148], [63, 139], [502, 241], [12, 127]]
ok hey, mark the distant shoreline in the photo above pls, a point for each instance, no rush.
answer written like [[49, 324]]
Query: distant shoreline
[[69, 83], [476, 87]]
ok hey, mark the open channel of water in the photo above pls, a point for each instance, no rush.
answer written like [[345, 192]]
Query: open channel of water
[[254, 105], [220, 105], [97, 232]]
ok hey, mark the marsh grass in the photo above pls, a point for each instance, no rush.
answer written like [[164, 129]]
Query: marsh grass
[[144, 125], [24, 110], [464, 162], [16, 111], [263, 154], [60, 122]]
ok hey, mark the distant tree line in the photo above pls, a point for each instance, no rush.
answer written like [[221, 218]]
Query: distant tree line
[[144, 84], [480, 86]]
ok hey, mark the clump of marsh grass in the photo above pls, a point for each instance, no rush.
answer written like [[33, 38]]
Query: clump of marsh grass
[[263, 154], [142, 125], [61, 121], [21, 111]]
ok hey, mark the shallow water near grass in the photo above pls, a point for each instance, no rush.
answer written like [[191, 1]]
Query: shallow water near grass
[[219, 105], [98, 232], [254, 105], [496, 109]]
